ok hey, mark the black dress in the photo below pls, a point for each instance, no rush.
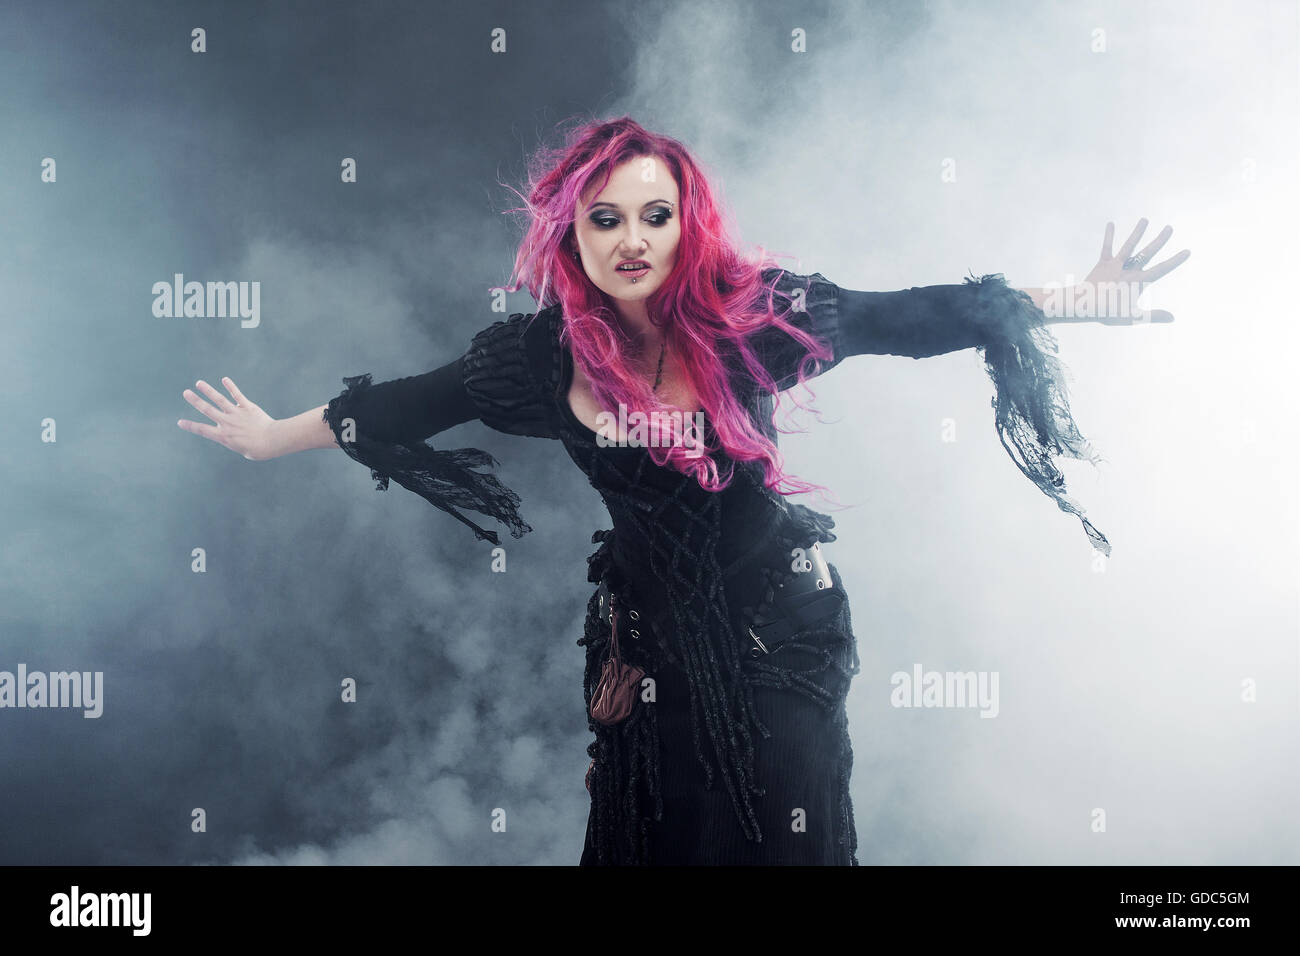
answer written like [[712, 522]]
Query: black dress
[[731, 755]]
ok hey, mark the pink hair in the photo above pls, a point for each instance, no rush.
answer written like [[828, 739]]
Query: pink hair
[[707, 306]]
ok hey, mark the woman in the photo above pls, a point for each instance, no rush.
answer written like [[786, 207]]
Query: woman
[[719, 643]]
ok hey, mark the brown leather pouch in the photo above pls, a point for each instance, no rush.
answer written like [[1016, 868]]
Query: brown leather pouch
[[616, 691]]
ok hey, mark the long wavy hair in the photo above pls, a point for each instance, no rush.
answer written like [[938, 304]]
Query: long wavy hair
[[708, 307]]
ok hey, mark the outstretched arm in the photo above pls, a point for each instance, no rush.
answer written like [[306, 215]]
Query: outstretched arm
[[1009, 325], [301, 433], [931, 320], [383, 426], [919, 322], [1031, 405], [411, 409], [404, 410]]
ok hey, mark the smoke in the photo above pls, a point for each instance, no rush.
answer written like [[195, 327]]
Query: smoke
[[907, 144]]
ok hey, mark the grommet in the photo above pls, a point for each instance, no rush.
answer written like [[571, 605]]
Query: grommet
[[634, 615], [636, 634], [807, 565], [820, 584]]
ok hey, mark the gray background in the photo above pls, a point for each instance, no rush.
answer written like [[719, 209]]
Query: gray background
[[1120, 689]]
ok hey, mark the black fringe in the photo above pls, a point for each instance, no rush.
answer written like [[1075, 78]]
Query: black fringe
[[442, 478], [1032, 408]]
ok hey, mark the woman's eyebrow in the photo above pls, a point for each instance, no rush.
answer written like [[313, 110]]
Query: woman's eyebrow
[[615, 205]]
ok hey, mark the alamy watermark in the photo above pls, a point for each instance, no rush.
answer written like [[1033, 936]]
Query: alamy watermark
[[76, 908], [948, 689], [84, 689], [656, 429], [213, 300], [1094, 300]]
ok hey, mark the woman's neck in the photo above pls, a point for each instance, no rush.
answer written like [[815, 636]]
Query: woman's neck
[[635, 323]]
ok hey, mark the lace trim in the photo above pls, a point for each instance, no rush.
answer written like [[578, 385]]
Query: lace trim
[[444, 478], [1032, 407]]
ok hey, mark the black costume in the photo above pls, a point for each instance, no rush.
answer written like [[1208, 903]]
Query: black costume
[[742, 756]]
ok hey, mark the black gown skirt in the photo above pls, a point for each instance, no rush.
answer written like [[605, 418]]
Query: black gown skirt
[[804, 766]]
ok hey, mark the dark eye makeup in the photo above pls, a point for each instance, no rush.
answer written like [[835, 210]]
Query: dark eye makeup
[[607, 220]]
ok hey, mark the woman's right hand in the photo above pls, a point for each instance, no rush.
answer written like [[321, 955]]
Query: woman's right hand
[[241, 425]]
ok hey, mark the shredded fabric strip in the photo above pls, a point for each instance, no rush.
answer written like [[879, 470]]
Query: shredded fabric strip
[[444, 478]]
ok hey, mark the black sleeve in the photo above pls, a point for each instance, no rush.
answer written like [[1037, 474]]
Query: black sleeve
[[414, 408], [383, 426], [917, 323], [505, 370], [1031, 405]]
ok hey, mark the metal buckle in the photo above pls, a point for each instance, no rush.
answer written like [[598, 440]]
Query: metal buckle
[[815, 562], [811, 578], [608, 602]]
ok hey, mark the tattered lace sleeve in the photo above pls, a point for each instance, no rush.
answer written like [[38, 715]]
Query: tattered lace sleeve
[[383, 426], [1031, 405]]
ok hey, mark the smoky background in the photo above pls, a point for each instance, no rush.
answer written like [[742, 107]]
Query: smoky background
[[1120, 689]]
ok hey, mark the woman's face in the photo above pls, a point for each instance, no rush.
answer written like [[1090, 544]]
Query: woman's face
[[635, 217]]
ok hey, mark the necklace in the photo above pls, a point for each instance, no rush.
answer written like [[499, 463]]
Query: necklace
[[659, 373]]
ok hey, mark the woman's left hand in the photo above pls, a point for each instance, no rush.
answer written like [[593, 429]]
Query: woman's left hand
[[1117, 281]]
